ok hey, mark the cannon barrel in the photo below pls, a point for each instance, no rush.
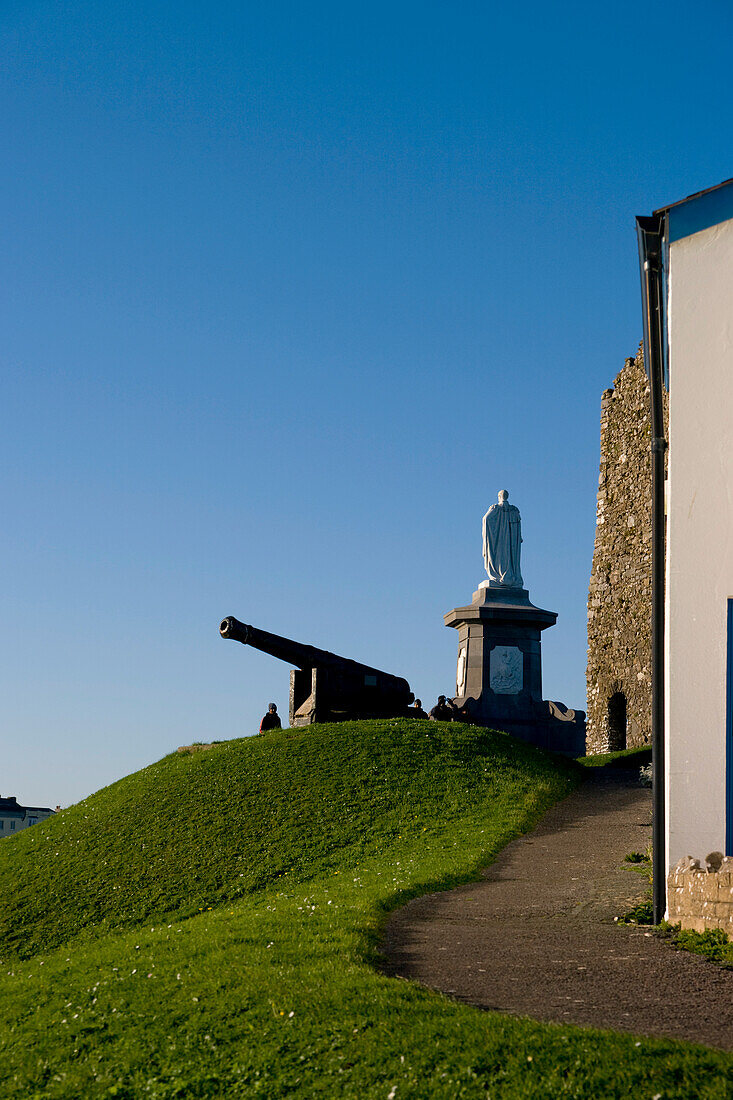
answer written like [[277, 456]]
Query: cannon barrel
[[303, 656]]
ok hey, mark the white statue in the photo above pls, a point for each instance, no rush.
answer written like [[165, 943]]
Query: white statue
[[502, 532]]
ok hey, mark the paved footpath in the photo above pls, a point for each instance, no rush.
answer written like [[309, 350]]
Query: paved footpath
[[536, 935]]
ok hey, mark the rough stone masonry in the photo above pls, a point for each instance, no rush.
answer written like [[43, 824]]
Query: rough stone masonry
[[619, 598], [702, 897]]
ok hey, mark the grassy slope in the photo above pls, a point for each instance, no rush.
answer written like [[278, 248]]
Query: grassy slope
[[624, 758], [229, 955], [195, 830]]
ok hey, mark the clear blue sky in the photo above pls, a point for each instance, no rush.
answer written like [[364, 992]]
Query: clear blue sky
[[289, 293]]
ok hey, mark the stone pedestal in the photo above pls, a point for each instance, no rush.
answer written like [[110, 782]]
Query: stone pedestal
[[499, 672]]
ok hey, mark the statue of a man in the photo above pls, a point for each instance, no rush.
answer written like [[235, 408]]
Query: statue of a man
[[502, 531]]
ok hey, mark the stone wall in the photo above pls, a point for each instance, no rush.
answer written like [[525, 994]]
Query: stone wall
[[619, 599], [702, 897]]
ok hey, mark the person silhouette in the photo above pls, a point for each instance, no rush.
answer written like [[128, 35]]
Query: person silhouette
[[271, 721]]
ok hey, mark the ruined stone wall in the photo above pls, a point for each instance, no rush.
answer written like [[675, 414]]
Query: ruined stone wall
[[619, 599], [702, 897]]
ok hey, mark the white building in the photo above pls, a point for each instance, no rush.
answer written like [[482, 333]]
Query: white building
[[688, 249], [14, 817]]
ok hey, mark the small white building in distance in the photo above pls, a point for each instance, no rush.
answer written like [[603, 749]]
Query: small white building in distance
[[690, 309], [14, 817]]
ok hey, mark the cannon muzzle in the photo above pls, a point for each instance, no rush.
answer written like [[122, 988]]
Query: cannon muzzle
[[232, 628]]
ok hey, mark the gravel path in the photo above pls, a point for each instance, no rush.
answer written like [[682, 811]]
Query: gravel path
[[536, 935]]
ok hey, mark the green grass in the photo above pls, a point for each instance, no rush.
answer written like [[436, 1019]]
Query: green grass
[[209, 927], [624, 758], [714, 943], [643, 913], [197, 830]]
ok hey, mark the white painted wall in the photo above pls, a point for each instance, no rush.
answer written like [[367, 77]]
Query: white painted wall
[[699, 537]]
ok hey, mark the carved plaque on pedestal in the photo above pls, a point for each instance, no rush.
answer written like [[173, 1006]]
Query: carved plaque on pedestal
[[505, 670]]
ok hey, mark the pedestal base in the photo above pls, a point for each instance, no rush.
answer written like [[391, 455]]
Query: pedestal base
[[499, 673]]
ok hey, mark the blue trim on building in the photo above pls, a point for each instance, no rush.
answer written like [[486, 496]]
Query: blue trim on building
[[696, 214], [729, 738]]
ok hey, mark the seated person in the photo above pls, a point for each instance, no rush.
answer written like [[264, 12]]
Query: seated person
[[443, 711], [416, 710]]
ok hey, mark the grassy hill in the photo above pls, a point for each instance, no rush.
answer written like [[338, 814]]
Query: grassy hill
[[208, 927]]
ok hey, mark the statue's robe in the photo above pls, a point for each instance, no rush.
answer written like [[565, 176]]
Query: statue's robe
[[502, 540]]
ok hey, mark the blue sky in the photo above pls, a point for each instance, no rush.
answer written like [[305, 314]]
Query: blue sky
[[290, 292]]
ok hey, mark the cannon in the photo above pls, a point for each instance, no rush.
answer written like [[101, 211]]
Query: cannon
[[323, 686]]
